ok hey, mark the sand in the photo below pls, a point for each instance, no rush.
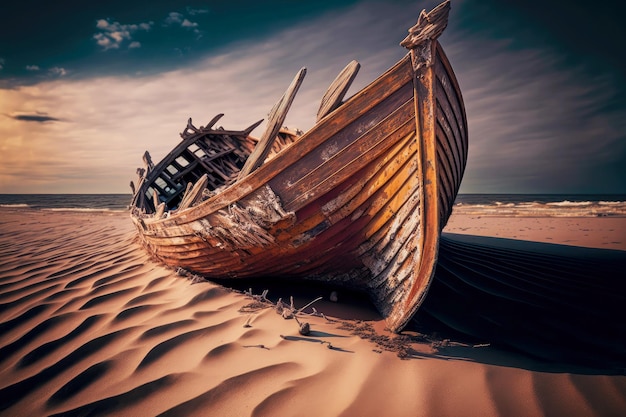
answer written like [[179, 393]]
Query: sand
[[92, 326], [590, 232]]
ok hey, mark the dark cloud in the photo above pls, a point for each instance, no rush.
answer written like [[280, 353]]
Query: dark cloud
[[141, 37], [39, 118], [542, 117], [545, 107]]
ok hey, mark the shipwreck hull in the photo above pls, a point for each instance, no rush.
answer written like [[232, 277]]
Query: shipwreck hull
[[358, 200]]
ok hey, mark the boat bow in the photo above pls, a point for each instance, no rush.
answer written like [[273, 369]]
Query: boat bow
[[436, 147]]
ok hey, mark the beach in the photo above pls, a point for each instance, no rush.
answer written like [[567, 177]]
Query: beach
[[589, 232], [91, 325]]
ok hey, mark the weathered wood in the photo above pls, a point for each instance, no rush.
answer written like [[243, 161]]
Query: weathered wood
[[213, 121], [359, 200], [429, 26], [194, 194], [147, 159], [180, 166], [253, 126], [186, 193], [358, 106], [155, 198], [274, 123], [428, 239], [338, 89], [328, 174], [191, 129], [160, 210]]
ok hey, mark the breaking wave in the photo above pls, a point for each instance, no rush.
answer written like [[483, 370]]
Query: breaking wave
[[563, 208]]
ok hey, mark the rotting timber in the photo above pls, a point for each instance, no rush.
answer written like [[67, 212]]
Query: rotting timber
[[358, 200]]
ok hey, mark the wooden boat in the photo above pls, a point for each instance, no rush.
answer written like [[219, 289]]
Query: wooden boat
[[359, 200]]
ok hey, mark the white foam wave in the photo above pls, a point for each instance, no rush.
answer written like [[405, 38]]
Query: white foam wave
[[552, 209], [82, 209], [14, 205], [570, 203]]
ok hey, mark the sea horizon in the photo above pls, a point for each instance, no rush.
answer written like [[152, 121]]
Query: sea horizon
[[501, 204]]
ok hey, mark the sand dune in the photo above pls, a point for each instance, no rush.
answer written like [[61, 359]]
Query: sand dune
[[92, 326]]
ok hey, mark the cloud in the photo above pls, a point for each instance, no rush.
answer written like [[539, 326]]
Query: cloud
[[37, 117], [53, 72], [110, 121], [187, 24], [58, 71], [194, 12], [534, 126], [174, 18], [532, 123], [178, 19], [113, 35], [1, 64]]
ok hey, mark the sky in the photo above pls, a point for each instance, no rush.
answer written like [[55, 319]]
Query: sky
[[86, 88]]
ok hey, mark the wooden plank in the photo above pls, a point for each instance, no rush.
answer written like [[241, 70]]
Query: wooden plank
[[338, 89], [187, 191], [343, 139], [191, 130], [159, 211], [454, 85], [447, 141], [164, 176], [155, 196], [147, 159], [275, 121], [186, 170], [350, 160], [357, 106], [195, 194]]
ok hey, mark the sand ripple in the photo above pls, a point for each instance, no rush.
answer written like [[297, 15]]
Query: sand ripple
[[91, 326]]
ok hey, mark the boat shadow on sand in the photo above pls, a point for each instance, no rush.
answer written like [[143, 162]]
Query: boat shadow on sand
[[562, 307], [538, 306]]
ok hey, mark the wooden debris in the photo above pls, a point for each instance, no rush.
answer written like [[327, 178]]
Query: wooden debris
[[195, 194], [274, 123], [338, 89]]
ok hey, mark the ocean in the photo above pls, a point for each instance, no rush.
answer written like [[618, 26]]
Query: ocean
[[541, 205], [67, 202], [514, 205]]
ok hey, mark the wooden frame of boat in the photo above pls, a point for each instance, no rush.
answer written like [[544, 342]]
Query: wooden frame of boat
[[359, 200]]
